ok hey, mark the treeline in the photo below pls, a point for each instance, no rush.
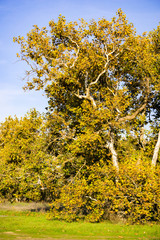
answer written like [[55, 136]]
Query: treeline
[[40, 162], [94, 154]]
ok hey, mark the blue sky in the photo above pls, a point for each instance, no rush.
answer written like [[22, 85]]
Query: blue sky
[[17, 18]]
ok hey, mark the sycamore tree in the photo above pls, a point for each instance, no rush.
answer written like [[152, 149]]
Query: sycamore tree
[[102, 84], [99, 76]]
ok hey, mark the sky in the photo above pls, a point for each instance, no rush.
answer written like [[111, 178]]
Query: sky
[[17, 17]]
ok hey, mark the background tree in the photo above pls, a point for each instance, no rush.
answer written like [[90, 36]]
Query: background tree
[[25, 168]]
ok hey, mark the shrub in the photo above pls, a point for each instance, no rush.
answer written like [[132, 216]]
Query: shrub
[[132, 195]]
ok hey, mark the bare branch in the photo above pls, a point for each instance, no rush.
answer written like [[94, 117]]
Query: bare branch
[[107, 62], [63, 63], [94, 199], [73, 42], [111, 91], [77, 52], [33, 68], [60, 61], [131, 117], [66, 64], [106, 50], [100, 74], [88, 97]]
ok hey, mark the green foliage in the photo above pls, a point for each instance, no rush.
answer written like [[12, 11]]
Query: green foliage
[[98, 77], [23, 162], [90, 155], [132, 195]]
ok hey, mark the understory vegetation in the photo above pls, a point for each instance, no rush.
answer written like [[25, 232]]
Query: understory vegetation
[[94, 154]]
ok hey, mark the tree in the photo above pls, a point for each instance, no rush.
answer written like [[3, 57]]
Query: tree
[[98, 76], [25, 167], [102, 84]]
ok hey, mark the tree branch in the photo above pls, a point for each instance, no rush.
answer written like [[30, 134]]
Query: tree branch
[[88, 97], [134, 115], [100, 74], [63, 63], [77, 52], [131, 117], [94, 199]]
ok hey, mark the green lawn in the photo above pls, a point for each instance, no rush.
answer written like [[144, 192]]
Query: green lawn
[[28, 225]]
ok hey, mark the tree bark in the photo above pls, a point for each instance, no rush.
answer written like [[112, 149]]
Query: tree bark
[[113, 152], [142, 131], [156, 151]]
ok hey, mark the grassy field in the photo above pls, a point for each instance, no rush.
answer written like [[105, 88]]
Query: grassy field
[[16, 224]]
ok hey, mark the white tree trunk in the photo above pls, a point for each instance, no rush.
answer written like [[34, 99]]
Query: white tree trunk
[[156, 151], [114, 153]]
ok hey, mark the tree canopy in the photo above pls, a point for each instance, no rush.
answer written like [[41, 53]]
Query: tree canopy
[[98, 76], [102, 84]]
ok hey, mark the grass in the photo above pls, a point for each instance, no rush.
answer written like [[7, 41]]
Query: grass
[[32, 225]]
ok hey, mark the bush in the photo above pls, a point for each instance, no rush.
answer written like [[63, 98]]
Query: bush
[[132, 195]]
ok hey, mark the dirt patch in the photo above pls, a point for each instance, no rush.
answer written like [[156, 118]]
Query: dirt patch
[[49, 238], [22, 206], [10, 233]]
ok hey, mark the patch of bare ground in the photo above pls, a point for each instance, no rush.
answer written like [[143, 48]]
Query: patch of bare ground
[[23, 237], [23, 206]]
